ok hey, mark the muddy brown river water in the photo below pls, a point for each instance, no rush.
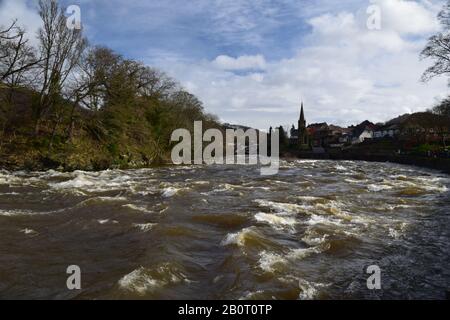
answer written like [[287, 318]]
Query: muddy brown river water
[[226, 232]]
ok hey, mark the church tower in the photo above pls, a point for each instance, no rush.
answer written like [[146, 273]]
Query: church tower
[[303, 140], [302, 121]]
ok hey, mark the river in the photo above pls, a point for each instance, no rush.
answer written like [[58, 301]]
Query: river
[[226, 232]]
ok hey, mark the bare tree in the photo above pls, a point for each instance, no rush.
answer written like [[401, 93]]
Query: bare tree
[[60, 49], [116, 77], [152, 83], [85, 89], [16, 55], [109, 74], [438, 48], [442, 108], [17, 58]]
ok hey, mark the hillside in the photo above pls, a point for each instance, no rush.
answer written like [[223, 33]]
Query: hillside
[[111, 137], [70, 105]]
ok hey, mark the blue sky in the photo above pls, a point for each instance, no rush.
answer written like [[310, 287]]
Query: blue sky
[[197, 30], [253, 61], [203, 29]]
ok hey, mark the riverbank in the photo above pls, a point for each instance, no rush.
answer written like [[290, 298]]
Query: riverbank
[[441, 164], [44, 164]]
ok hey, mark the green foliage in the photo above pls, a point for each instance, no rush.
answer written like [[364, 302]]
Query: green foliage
[[426, 148], [113, 149]]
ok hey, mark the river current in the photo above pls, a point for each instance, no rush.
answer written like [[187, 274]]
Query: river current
[[226, 232]]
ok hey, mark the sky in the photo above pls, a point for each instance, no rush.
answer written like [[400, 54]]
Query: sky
[[252, 62]]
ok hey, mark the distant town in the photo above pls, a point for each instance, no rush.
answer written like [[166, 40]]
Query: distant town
[[423, 133], [421, 139]]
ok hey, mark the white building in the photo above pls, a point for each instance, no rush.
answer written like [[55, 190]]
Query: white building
[[360, 136]]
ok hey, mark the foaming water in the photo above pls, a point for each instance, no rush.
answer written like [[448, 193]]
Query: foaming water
[[225, 232]]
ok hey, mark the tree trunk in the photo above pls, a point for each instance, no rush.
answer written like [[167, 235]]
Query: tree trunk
[[37, 126], [54, 129], [2, 136], [72, 123]]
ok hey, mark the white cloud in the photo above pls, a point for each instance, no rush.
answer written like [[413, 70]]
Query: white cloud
[[26, 17], [344, 72], [240, 63], [334, 25], [409, 17]]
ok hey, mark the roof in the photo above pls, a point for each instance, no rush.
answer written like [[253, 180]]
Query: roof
[[339, 129], [360, 130], [319, 126]]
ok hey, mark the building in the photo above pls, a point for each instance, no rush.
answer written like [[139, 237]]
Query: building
[[319, 134], [316, 137], [410, 130], [319, 137], [300, 137], [362, 134], [387, 131]]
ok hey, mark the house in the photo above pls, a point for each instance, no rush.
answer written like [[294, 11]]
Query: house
[[319, 134], [362, 132], [346, 138], [338, 136], [391, 131]]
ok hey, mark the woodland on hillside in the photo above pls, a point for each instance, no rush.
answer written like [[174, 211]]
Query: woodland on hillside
[[67, 104]]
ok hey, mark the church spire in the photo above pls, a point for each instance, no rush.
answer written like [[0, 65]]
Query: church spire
[[302, 120], [302, 130], [302, 115]]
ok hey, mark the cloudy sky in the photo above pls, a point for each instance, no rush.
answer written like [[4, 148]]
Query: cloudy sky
[[252, 61]]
